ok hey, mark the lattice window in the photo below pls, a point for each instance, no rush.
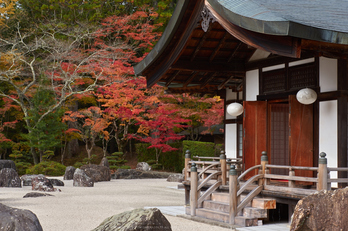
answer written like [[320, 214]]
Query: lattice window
[[302, 76], [273, 81]]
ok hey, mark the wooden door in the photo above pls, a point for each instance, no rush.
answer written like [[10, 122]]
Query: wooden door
[[301, 136], [255, 133]]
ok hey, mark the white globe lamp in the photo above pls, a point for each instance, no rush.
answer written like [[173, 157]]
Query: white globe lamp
[[235, 109], [306, 96]]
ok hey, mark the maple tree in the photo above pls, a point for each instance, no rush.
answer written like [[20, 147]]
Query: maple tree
[[89, 126], [160, 128], [7, 8], [69, 61], [127, 103], [199, 110]]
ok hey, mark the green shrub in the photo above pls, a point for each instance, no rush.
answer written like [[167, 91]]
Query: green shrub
[[117, 161], [50, 168], [169, 161]]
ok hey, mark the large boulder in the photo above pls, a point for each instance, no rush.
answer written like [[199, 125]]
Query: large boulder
[[81, 179], [9, 178], [26, 179], [175, 178], [137, 174], [136, 220], [12, 219], [143, 166], [325, 210], [36, 194], [56, 182], [7, 164], [43, 184], [97, 172], [69, 173]]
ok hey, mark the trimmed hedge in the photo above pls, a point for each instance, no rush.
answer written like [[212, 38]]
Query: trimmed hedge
[[174, 161], [169, 161]]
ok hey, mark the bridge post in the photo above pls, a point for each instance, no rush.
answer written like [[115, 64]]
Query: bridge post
[[223, 167], [187, 160], [322, 172], [193, 192], [233, 188], [264, 161], [291, 183]]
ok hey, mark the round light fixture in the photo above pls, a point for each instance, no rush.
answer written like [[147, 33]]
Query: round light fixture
[[306, 96], [235, 109]]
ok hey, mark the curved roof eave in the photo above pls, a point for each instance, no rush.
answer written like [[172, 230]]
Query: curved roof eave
[[254, 17], [165, 38]]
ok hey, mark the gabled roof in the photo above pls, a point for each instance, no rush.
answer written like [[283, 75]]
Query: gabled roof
[[190, 59]]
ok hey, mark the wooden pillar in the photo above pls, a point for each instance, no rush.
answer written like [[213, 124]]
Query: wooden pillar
[[322, 172], [187, 160], [233, 188], [223, 167], [194, 186]]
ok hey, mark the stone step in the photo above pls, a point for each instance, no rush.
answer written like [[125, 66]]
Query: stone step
[[224, 217], [255, 212], [216, 206]]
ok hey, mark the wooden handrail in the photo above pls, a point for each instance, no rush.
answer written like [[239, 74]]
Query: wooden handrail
[[249, 197], [248, 183], [292, 167], [247, 171], [207, 168], [294, 178], [204, 182], [209, 191]]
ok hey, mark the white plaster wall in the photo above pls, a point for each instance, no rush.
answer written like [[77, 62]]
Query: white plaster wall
[[252, 85], [328, 133], [231, 140], [327, 74]]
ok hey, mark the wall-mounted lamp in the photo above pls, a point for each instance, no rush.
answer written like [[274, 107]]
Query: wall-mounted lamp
[[235, 109], [306, 96]]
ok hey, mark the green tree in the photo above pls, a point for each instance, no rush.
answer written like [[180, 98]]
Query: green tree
[[44, 136]]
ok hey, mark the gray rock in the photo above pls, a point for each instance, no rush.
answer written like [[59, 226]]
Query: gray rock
[[7, 164], [41, 183], [175, 178], [137, 174], [12, 219], [136, 220], [81, 179], [9, 178], [69, 173], [97, 172], [26, 179], [104, 162], [36, 194], [325, 210], [56, 182], [143, 166]]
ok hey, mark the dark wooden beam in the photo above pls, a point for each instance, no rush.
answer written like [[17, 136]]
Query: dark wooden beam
[[208, 79], [189, 80], [222, 85], [172, 78], [201, 43], [204, 66], [234, 52], [222, 41]]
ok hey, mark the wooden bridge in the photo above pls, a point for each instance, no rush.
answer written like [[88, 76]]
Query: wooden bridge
[[216, 188]]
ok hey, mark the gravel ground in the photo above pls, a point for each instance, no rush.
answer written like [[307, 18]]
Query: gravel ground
[[83, 209]]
